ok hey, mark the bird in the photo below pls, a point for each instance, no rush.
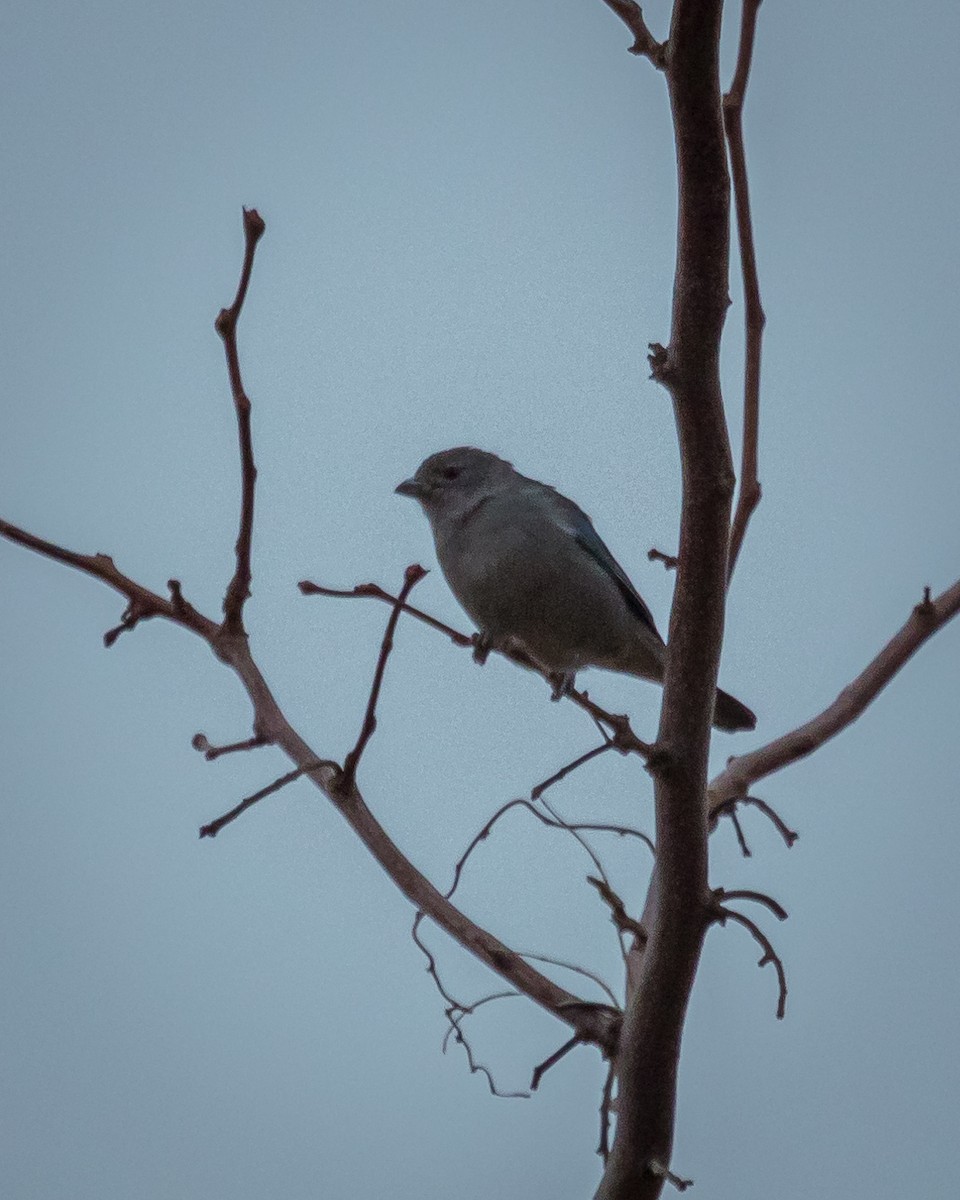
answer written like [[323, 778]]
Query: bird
[[529, 568]]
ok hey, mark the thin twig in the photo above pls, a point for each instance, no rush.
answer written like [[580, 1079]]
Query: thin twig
[[568, 966], [455, 1012], [199, 742], [537, 792], [226, 325], [606, 1100], [544, 1067], [724, 914], [468, 1009], [644, 43], [411, 577], [550, 821], [754, 318], [214, 827], [375, 592]]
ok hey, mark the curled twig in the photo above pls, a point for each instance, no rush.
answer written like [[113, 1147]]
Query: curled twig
[[724, 914], [455, 1011]]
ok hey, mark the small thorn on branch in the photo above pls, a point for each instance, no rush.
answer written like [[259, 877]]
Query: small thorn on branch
[[618, 912], [926, 607], [133, 614], [606, 1102], [670, 561], [210, 752], [645, 45], [662, 1172]]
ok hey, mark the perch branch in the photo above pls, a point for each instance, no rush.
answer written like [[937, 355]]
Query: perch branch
[[623, 739]]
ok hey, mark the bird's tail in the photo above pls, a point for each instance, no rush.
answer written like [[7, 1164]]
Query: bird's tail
[[730, 715]]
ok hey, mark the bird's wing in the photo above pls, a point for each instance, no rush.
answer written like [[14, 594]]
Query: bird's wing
[[581, 527]]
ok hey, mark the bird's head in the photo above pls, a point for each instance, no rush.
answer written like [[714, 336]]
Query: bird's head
[[448, 484]]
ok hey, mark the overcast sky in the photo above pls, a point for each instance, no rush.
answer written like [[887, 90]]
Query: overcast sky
[[470, 238]]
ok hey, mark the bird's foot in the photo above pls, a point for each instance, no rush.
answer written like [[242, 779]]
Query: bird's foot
[[562, 683], [482, 645]]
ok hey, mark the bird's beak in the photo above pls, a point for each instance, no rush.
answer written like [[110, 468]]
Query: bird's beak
[[410, 487]]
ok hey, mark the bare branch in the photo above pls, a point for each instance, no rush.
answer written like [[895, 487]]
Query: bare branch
[[411, 577], [644, 43], [226, 325], [140, 600], [754, 318], [214, 827], [734, 782]]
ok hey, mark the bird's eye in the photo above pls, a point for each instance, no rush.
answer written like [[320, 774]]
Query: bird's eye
[[451, 472]]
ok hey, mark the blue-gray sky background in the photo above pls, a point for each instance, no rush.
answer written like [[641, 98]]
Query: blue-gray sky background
[[470, 239]]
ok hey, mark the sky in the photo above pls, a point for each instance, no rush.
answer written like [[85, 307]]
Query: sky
[[470, 239]]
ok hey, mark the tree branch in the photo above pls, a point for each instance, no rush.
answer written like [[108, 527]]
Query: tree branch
[[689, 369], [226, 325], [644, 43], [734, 782], [754, 318]]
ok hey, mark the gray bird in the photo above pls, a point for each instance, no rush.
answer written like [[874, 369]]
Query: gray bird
[[528, 566]]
